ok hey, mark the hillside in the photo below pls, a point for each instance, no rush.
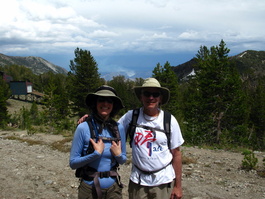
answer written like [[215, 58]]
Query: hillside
[[248, 62], [38, 65]]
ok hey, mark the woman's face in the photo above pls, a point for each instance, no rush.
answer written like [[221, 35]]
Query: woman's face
[[104, 106]]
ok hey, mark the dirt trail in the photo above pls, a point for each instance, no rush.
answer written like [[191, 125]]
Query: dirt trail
[[38, 171]]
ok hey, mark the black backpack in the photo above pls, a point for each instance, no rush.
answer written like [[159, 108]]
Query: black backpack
[[133, 124], [113, 127]]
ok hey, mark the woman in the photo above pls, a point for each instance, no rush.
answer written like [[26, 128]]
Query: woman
[[98, 147]]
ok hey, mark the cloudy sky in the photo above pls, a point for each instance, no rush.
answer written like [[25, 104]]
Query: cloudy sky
[[129, 35]]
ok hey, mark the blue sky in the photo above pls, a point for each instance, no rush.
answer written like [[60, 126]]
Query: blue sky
[[129, 35]]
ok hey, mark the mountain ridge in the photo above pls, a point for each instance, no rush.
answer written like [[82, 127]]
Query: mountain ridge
[[38, 65], [249, 61]]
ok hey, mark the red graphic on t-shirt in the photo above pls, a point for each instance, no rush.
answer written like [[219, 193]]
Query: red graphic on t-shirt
[[140, 139]]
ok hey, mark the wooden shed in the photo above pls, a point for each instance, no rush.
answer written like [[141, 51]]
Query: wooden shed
[[20, 87]]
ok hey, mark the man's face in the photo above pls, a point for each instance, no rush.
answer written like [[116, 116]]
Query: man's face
[[151, 98]]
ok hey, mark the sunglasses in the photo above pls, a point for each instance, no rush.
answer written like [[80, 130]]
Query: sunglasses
[[105, 99], [148, 94]]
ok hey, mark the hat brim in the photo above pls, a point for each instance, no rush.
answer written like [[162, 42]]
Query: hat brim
[[164, 92], [92, 98]]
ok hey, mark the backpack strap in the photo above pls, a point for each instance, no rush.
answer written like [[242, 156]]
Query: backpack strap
[[91, 174], [132, 125], [167, 125], [93, 134], [113, 127]]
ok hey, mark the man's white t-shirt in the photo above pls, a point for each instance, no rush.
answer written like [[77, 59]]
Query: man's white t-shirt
[[150, 149]]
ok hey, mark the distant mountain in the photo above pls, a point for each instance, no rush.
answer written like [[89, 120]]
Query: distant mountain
[[38, 65], [185, 69], [247, 62], [251, 61], [140, 74]]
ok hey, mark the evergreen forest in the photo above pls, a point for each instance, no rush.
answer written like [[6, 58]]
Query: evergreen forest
[[215, 107]]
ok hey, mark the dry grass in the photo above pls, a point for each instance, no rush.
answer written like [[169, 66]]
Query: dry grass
[[188, 160], [14, 106], [62, 145], [28, 141], [57, 145], [261, 173]]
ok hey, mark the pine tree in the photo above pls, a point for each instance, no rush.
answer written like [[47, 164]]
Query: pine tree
[[4, 93], [124, 90], [219, 103], [257, 116], [167, 78], [82, 79], [34, 114], [56, 101]]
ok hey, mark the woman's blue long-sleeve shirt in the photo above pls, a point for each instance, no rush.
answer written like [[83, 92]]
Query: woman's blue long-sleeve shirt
[[101, 162]]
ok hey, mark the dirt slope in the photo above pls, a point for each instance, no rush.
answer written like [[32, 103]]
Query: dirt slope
[[38, 171]]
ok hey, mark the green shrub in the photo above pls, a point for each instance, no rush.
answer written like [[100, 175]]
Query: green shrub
[[250, 161]]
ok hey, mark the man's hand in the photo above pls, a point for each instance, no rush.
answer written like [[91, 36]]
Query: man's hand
[[177, 165], [176, 193], [82, 119]]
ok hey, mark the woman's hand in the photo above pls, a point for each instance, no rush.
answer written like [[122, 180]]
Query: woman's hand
[[98, 146], [116, 148]]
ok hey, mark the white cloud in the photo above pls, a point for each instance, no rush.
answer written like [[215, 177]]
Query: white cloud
[[118, 26], [189, 35]]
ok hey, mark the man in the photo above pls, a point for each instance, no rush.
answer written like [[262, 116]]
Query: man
[[156, 169]]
